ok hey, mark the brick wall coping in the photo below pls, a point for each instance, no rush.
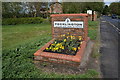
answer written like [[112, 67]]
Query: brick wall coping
[[57, 15]]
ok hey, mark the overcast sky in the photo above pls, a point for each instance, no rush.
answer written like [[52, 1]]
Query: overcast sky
[[107, 2]]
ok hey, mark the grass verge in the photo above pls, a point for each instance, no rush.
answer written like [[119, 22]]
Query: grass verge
[[94, 34]]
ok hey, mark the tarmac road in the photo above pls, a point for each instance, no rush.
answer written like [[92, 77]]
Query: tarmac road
[[115, 22], [109, 33]]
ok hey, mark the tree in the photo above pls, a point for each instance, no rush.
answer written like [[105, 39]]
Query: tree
[[95, 6], [28, 9], [37, 7], [11, 9], [78, 7], [72, 7], [105, 10], [115, 8]]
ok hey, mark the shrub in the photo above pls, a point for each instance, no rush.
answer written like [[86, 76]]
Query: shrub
[[14, 21]]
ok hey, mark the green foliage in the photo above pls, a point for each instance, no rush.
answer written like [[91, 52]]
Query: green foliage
[[115, 8], [92, 34], [18, 62], [82, 7], [105, 10], [72, 7], [11, 9], [95, 6], [95, 53], [23, 9], [92, 29], [14, 21], [90, 74]]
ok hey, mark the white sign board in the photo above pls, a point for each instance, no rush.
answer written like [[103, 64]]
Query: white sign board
[[68, 24], [89, 11]]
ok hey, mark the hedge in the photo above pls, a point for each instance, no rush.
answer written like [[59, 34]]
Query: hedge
[[14, 21]]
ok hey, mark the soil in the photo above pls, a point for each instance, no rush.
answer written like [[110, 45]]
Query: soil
[[67, 69], [61, 52]]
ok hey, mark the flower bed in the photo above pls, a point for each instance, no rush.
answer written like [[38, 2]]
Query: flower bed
[[69, 47], [65, 44]]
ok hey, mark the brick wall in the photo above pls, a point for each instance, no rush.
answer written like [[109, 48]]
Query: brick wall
[[56, 32]]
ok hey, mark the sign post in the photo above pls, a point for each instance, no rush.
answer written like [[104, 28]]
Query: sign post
[[68, 24]]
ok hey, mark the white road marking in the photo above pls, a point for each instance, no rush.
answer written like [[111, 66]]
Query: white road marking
[[114, 26], [103, 21]]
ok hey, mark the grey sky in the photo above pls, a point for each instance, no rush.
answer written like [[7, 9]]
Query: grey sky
[[107, 2]]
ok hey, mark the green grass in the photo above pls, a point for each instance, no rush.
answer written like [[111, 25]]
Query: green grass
[[94, 34], [14, 35], [92, 29], [19, 44]]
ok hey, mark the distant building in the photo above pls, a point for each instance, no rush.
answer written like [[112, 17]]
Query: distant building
[[44, 9], [51, 7], [56, 7]]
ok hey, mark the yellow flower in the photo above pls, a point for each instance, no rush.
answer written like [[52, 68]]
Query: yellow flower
[[68, 33], [63, 34], [52, 44], [80, 37], [80, 42], [62, 47], [47, 48], [74, 49], [58, 44], [70, 37], [73, 37], [78, 47], [64, 40], [67, 37], [50, 48], [53, 49]]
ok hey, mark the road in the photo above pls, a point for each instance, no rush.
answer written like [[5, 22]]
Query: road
[[109, 33], [114, 22]]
